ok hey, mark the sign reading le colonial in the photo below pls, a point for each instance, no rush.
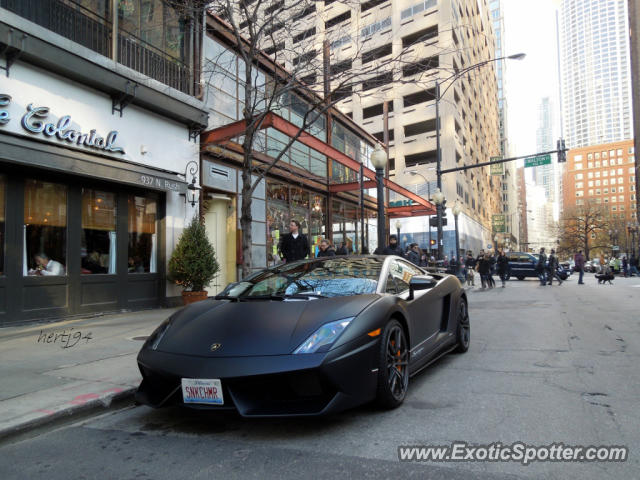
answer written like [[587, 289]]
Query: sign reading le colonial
[[33, 121]]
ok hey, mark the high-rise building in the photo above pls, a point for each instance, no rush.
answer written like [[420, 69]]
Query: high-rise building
[[595, 72], [603, 175], [509, 194], [407, 46], [544, 175]]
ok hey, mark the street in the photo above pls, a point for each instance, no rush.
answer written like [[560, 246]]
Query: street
[[546, 365]]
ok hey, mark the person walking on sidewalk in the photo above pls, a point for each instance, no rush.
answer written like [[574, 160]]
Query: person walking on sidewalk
[[541, 268], [633, 265], [470, 263], [502, 266], [484, 269], [578, 259], [552, 268], [294, 245]]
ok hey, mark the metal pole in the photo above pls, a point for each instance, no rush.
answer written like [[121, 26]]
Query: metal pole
[[363, 241], [455, 218], [429, 195], [438, 169], [381, 220]]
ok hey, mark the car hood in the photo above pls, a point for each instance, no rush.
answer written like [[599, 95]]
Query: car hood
[[255, 327]]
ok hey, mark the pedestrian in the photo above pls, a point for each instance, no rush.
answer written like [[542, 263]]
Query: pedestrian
[[541, 268], [293, 245], [633, 265], [552, 268], [393, 248], [414, 254], [342, 249], [325, 249], [492, 270], [470, 263], [502, 266], [625, 266], [578, 259], [484, 269]]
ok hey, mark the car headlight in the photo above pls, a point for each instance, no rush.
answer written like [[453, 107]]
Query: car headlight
[[156, 337], [324, 337]]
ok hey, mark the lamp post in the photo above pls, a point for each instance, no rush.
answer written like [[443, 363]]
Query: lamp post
[[438, 97], [414, 173], [457, 208], [439, 200], [379, 161]]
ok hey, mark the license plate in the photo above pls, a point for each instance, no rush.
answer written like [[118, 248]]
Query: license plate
[[202, 390]]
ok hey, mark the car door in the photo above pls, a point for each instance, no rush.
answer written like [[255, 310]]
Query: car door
[[425, 310]]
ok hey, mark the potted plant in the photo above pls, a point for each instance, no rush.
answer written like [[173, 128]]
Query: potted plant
[[193, 263]]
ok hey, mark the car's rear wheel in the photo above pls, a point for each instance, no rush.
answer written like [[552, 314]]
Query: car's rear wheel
[[393, 366], [463, 327]]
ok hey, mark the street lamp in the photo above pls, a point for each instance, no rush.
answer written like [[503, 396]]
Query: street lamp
[[414, 173], [457, 208], [438, 97], [379, 161], [438, 199]]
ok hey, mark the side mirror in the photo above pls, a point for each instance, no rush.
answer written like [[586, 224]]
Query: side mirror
[[421, 282]]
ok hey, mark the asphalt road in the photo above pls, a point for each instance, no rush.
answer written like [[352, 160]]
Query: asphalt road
[[546, 365]]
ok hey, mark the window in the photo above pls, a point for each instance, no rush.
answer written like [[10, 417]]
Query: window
[[401, 273], [370, 4], [578, 176], [605, 163], [579, 185], [590, 183], [578, 166], [304, 35], [417, 8], [45, 228], [419, 128], [419, 37], [143, 239], [420, 158], [375, 110], [98, 242], [579, 193], [340, 67], [423, 65], [340, 18], [419, 97], [376, 53], [378, 81], [3, 190], [341, 41]]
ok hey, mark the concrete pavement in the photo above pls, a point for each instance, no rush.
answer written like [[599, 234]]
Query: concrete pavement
[[52, 371]]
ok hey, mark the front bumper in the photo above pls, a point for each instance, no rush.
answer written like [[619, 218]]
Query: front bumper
[[279, 385]]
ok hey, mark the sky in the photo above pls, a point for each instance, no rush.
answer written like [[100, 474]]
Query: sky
[[530, 30]]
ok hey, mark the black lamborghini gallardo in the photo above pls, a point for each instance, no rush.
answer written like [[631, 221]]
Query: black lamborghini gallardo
[[306, 338]]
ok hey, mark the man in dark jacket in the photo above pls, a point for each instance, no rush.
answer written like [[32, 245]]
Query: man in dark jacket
[[393, 248], [541, 268], [342, 250], [293, 245], [470, 264], [552, 268], [325, 249], [502, 266], [414, 254]]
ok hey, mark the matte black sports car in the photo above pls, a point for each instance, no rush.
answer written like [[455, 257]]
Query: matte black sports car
[[307, 338]]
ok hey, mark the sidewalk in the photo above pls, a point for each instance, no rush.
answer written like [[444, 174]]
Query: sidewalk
[[53, 370]]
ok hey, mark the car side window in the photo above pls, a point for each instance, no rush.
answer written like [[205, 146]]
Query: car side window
[[391, 285], [401, 272]]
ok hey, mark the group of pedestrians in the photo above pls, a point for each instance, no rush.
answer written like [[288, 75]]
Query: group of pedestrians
[[547, 268]]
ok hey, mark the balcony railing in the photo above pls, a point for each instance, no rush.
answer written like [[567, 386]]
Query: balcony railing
[[89, 29]]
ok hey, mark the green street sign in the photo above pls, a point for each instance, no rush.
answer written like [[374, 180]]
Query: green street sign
[[498, 168], [537, 161], [498, 222]]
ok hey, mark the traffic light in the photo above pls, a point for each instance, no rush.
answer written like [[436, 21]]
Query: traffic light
[[562, 153]]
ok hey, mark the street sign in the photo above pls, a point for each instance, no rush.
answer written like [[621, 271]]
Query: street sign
[[498, 168], [537, 161], [498, 222]]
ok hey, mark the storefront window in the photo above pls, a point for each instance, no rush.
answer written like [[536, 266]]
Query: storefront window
[[3, 192], [277, 218], [98, 232], [317, 225], [143, 239], [345, 225], [45, 228]]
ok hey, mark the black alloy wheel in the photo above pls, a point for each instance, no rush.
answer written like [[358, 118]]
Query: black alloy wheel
[[393, 366], [463, 328]]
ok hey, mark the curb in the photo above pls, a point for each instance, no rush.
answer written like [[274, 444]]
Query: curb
[[112, 402]]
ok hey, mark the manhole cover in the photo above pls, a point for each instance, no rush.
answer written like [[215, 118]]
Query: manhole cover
[[141, 339]]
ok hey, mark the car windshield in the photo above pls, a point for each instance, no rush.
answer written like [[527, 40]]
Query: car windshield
[[336, 277]]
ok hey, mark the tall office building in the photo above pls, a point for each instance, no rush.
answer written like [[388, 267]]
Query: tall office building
[[545, 175], [595, 72], [509, 194], [407, 45]]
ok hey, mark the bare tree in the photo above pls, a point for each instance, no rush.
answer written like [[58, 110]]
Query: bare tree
[[584, 227], [268, 36]]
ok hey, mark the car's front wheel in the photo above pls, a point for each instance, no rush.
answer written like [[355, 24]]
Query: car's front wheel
[[463, 327], [393, 366]]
